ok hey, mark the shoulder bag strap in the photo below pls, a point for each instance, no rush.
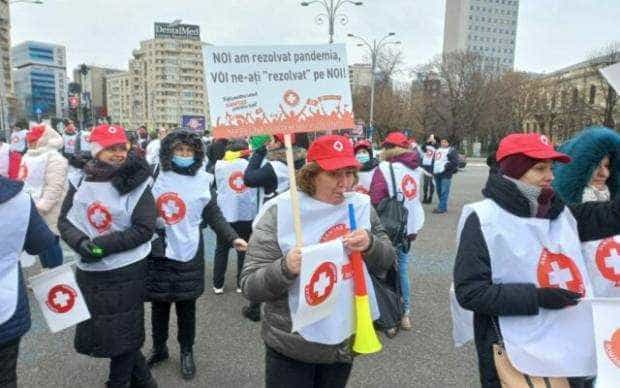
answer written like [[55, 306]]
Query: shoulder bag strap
[[393, 181]]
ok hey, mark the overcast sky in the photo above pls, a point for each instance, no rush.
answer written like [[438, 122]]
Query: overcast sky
[[551, 33]]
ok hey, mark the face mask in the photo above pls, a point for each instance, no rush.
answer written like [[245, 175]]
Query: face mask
[[362, 157], [182, 161]]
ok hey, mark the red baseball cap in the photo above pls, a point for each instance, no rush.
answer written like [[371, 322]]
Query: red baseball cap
[[397, 139], [332, 152], [362, 144], [104, 136], [35, 133], [533, 145]]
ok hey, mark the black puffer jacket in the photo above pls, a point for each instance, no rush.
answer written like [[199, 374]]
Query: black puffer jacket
[[264, 176], [170, 280], [115, 298], [473, 282]]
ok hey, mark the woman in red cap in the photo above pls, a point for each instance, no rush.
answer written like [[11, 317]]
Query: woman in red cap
[[519, 267], [364, 155], [315, 356], [108, 218], [403, 164]]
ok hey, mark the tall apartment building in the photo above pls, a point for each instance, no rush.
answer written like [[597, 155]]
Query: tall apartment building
[[484, 27], [94, 87], [8, 103], [165, 80], [40, 79]]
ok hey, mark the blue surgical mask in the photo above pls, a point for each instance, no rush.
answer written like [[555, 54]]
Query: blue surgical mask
[[182, 161], [362, 157]]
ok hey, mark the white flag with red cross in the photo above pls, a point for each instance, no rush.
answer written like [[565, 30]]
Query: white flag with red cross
[[60, 298], [319, 281], [605, 312]]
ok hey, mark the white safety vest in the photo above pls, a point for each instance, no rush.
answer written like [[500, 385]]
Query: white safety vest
[[408, 188], [281, 171], [98, 209], [152, 152], [180, 200], [324, 222], [554, 343], [13, 227], [84, 141], [70, 142], [18, 141], [603, 263], [237, 201], [364, 180], [32, 172], [441, 159], [428, 156], [4, 160]]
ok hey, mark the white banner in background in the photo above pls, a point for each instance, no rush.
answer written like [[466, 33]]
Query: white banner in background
[[606, 312], [60, 298]]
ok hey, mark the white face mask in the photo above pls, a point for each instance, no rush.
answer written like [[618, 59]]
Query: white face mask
[[362, 157]]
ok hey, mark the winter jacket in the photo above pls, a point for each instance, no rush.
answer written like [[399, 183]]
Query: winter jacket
[[38, 240], [473, 278], [55, 186], [452, 166], [259, 175], [370, 165], [263, 280], [115, 298], [587, 149], [170, 280], [379, 184]]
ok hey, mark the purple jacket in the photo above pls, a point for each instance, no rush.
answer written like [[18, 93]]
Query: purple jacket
[[379, 185]]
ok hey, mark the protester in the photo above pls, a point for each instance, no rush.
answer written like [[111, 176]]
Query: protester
[[273, 264], [175, 267], [108, 218], [512, 246], [21, 228], [403, 164], [143, 137], [152, 149], [9, 161], [239, 207], [428, 158], [268, 172], [445, 165], [592, 176], [44, 172], [18, 137], [70, 139], [215, 151], [75, 150], [364, 155]]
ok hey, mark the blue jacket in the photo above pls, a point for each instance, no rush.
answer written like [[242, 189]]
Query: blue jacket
[[39, 240], [587, 149]]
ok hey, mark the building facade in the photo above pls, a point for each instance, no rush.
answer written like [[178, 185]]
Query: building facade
[[94, 88], [360, 75], [40, 79], [484, 27], [570, 99], [165, 80], [8, 103]]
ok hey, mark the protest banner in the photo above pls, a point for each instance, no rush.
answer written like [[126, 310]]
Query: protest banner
[[605, 313], [59, 298], [612, 75], [277, 89]]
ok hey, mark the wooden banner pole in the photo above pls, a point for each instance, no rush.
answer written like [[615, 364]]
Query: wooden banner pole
[[290, 161]]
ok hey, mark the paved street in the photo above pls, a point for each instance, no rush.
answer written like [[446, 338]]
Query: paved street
[[230, 353]]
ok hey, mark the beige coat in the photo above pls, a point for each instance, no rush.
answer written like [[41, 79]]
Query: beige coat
[[55, 186]]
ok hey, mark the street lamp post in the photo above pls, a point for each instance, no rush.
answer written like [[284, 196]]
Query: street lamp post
[[374, 49], [331, 13]]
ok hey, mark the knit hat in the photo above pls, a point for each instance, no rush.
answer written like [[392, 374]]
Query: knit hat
[[516, 165], [35, 133], [104, 136]]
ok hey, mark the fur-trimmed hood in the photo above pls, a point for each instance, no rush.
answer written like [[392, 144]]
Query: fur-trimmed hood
[[397, 154], [587, 149], [185, 137]]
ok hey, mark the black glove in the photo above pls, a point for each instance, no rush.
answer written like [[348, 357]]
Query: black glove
[[90, 252], [556, 298]]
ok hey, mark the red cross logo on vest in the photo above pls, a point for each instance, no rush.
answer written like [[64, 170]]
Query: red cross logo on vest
[[437, 155], [61, 298], [612, 348], [291, 98], [99, 216], [429, 154], [71, 142], [235, 181], [171, 208], [22, 174], [559, 271], [608, 259], [409, 187], [321, 283], [361, 189], [333, 233]]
